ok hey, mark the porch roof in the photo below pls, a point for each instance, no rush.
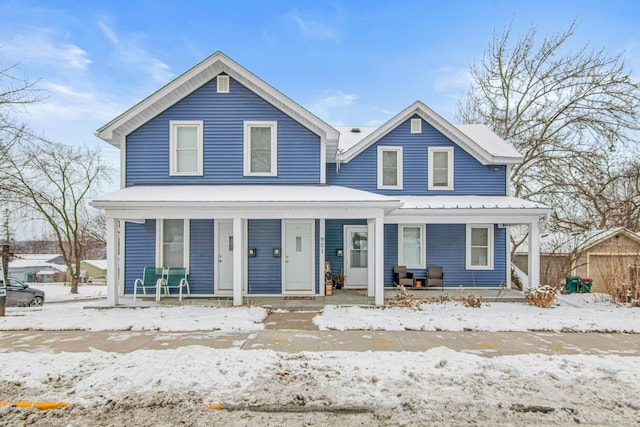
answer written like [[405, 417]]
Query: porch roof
[[245, 196], [444, 208]]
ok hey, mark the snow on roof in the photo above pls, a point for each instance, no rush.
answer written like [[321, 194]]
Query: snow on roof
[[43, 257], [349, 137], [489, 141], [98, 263], [477, 140], [467, 202], [241, 194]]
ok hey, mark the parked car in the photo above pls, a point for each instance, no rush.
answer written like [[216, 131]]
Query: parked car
[[21, 295]]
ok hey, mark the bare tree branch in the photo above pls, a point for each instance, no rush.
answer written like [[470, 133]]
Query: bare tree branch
[[570, 113]]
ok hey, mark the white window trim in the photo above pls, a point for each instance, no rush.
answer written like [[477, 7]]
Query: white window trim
[[173, 145], [450, 168], [160, 246], [423, 251], [381, 185], [416, 126], [222, 82], [489, 265], [247, 147]]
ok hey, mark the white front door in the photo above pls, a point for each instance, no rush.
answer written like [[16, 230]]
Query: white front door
[[224, 256], [298, 256], [356, 256]]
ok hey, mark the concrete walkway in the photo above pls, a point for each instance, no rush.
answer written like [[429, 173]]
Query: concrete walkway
[[295, 332]]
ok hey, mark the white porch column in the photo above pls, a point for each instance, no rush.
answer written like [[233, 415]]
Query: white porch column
[[237, 261], [322, 257], [534, 254], [379, 264], [112, 260], [371, 257]]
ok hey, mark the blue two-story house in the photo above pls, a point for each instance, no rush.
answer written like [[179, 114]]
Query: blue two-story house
[[224, 175]]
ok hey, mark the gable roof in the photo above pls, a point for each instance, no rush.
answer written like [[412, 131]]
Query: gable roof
[[115, 131], [100, 264], [477, 140], [565, 243]]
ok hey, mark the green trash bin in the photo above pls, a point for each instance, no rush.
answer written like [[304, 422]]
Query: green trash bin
[[571, 285], [585, 285]]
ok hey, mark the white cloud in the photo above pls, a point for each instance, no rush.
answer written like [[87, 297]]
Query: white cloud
[[330, 102], [128, 50], [41, 47], [312, 29], [451, 79], [345, 109], [111, 35]]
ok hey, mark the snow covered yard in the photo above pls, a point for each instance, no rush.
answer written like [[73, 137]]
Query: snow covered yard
[[575, 312], [262, 387]]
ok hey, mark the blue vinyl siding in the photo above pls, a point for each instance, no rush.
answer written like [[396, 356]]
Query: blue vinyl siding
[[140, 251], [265, 270], [390, 252], [334, 240], [470, 176], [201, 257], [446, 247], [147, 155]]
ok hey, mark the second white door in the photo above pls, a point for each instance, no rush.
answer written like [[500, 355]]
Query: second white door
[[356, 256], [224, 255]]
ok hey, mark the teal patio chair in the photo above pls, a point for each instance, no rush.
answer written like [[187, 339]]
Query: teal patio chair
[[151, 278], [176, 279]]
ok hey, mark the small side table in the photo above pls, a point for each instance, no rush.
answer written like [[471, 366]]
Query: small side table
[[420, 282]]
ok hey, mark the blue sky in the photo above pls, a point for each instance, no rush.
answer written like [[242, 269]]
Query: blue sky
[[349, 62]]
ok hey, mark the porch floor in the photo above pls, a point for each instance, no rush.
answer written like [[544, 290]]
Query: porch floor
[[341, 297]]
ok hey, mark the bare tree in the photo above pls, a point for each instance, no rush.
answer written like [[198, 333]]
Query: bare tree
[[15, 95], [54, 181], [567, 111]]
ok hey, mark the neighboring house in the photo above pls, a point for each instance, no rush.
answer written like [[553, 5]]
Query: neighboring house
[[224, 175], [601, 255], [92, 270], [43, 268]]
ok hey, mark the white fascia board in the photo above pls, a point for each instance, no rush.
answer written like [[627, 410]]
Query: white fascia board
[[193, 79], [140, 214], [440, 124], [468, 216]]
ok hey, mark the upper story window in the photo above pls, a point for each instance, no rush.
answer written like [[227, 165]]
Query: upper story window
[[390, 168], [185, 145], [261, 148], [440, 168], [479, 247], [411, 249], [172, 243]]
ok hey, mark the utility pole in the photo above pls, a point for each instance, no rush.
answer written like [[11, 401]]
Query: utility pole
[[5, 255], [3, 289]]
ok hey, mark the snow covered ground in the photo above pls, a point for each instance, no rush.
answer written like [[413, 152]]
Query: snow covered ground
[[263, 387]]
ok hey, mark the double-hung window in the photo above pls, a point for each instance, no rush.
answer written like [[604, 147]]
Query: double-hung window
[[390, 168], [440, 168], [185, 145], [411, 250], [260, 148], [479, 247], [172, 243]]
